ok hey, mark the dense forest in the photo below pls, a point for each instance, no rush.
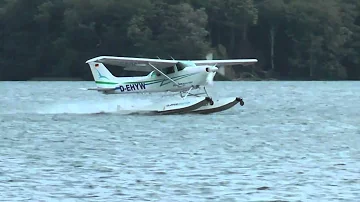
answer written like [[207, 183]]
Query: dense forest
[[292, 39]]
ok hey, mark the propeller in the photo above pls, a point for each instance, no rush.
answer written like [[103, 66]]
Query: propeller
[[209, 56], [221, 68], [210, 78]]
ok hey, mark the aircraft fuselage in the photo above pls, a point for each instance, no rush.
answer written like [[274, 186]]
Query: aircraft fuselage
[[156, 82]]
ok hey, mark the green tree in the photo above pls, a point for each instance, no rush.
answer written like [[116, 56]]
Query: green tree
[[350, 12], [177, 29], [19, 39], [273, 15], [297, 39], [229, 23], [318, 34]]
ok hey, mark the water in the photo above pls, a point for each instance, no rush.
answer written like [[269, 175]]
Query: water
[[291, 141]]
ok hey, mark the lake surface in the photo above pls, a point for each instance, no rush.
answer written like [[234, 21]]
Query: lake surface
[[291, 141]]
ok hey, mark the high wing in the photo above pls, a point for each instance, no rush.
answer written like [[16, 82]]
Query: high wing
[[243, 62], [134, 64]]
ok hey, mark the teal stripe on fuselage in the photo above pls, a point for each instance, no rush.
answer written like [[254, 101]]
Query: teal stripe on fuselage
[[106, 82], [175, 78]]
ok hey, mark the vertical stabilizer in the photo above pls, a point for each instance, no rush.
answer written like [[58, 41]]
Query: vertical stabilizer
[[101, 74]]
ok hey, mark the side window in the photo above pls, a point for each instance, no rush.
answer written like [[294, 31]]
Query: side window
[[169, 70]]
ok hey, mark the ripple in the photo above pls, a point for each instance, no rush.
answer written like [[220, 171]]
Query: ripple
[[275, 148]]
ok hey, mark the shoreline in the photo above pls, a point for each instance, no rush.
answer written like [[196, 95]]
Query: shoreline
[[269, 79], [55, 79]]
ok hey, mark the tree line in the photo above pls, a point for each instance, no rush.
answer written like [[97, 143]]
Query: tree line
[[292, 39]]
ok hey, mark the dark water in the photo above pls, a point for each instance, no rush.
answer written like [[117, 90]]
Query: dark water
[[292, 141]]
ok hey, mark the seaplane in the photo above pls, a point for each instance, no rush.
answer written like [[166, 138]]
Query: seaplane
[[182, 77]]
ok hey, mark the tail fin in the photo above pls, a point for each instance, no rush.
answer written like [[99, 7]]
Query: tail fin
[[101, 74]]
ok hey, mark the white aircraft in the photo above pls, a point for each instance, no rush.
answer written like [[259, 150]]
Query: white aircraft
[[166, 76]]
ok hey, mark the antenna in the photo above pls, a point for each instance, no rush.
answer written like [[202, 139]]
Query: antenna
[[171, 57], [158, 57]]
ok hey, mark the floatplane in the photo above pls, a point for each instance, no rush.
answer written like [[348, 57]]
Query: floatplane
[[182, 77]]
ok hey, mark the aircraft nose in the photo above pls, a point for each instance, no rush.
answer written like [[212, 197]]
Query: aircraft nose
[[211, 69]]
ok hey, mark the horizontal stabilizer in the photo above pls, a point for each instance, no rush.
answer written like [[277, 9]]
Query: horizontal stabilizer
[[99, 89]]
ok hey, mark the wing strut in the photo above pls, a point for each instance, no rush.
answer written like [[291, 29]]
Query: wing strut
[[164, 74]]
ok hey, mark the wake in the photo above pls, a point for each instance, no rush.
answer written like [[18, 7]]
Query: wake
[[92, 107], [87, 106]]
